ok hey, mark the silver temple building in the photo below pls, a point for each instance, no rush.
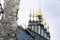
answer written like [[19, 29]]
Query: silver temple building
[[36, 28]]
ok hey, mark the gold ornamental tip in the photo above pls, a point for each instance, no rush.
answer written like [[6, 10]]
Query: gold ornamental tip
[[38, 13], [32, 14], [47, 25], [45, 22]]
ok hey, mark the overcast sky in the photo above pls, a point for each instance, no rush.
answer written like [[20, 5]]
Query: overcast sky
[[50, 10]]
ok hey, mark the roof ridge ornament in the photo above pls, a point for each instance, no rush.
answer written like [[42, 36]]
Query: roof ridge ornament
[[39, 12]]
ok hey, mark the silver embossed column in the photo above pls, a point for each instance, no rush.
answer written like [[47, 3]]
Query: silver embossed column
[[9, 20]]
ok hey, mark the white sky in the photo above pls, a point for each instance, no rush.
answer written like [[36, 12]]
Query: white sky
[[50, 10]]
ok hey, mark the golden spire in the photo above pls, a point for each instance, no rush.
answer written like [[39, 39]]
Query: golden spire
[[48, 26], [30, 14], [33, 14], [36, 14], [45, 23], [39, 12]]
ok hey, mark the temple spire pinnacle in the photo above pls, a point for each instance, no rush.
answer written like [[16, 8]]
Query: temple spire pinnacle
[[48, 26], [36, 16], [33, 14], [45, 23], [30, 14], [39, 12]]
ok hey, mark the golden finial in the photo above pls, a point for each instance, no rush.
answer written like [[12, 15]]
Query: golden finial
[[39, 12], [45, 22], [48, 26], [31, 14], [36, 13]]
